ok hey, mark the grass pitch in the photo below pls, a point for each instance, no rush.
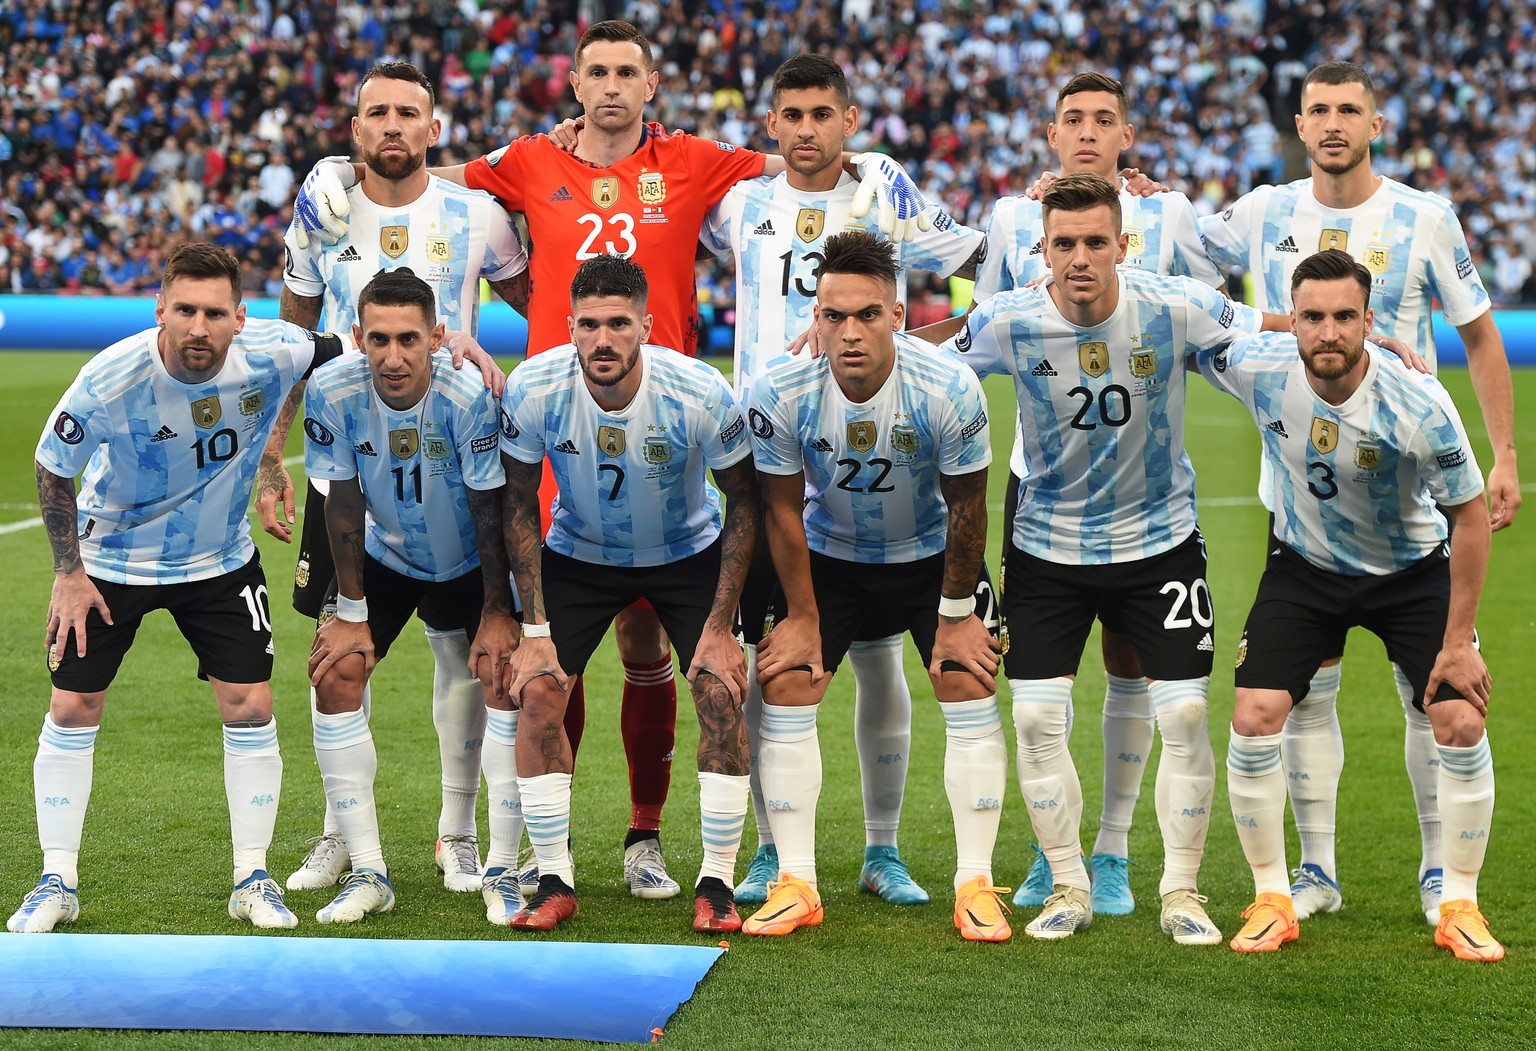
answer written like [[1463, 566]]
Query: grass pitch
[[156, 850]]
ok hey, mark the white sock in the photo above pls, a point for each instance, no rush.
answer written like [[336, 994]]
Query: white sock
[[332, 828], [882, 733], [752, 715], [504, 804], [1312, 753], [547, 814], [458, 713], [348, 765], [975, 776], [722, 813], [1186, 778], [1256, 789], [253, 781], [1466, 807], [791, 772], [1422, 758], [1047, 776], [1127, 749], [61, 779]]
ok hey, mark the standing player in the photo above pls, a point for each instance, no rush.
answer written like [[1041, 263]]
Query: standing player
[[452, 237], [890, 441], [630, 429], [167, 425], [777, 229], [1367, 465], [1416, 252], [409, 448]]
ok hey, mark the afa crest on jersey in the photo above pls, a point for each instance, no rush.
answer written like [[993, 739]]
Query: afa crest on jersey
[[1368, 455], [206, 412], [1135, 242], [1144, 363], [862, 435], [437, 448], [439, 250], [1378, 258], [1325, 435], [657, 451], [1093, 357], [403, 443], [652, 187]]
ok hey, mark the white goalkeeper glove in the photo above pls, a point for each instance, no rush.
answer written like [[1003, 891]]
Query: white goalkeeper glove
[[902, 212], [321, 207]]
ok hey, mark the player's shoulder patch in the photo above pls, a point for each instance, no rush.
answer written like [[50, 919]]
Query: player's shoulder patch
[[68, 429], [724, 147]]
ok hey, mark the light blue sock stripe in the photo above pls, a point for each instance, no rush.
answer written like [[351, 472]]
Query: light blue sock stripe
[[972, 715], [68, 739], [1247, 759], [546, 830], [1167, 693], [501, 726], [1467, 763], [786, 721], [251, 740], [341, 731]]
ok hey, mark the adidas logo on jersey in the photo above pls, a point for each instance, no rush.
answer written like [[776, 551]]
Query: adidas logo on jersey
[[1207, 644], [1278, 428], [568, 447], [1043, 369], [350, 255], [764, 229], [1288, 245], [821, 445], [1038, 248], [164, 434], [365, 449], [561, 194]]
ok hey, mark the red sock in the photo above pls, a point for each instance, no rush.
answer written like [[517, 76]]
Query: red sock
[[576, 716], [648, 719]]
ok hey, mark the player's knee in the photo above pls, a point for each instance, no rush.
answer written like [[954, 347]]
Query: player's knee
[[1120, 656], [543, 704], [1259, 713], [342, 688], [1457, 724], [70, 709], [245, 702]]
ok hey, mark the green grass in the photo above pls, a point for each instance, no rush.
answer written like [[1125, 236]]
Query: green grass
[[156, 841]]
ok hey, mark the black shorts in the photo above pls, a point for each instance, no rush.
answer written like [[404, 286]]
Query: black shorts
[[1302, 614], [226, 619], [314, 575], [1163, 603], [444, 605], [1110, 618], [582, 598]]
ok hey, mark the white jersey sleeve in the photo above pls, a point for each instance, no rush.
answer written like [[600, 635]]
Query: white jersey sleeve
[[1451, 275]]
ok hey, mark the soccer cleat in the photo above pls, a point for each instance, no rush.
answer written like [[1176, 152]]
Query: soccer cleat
[[551, 905], [503, 897], [886, 874], [259, 899], [763, 871], [363, 891], [714, 908], [792, 904], [1463, 930], [1038, 884], [1111, 892], [645, 870], [1067, 911], [1185, 918], [1313, 891], [458, 859], [46, 905], [1271, 923], [1430, 885], [323, 865], [979, 912], [528, 872]]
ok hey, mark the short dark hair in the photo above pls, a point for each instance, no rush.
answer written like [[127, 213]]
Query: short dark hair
[[398, 288], [1341, 73], [858, 252], [810, 71], [201, 259], [1332, 265], [614, 31], [399, 71], [1094, 82], [610, 275], [1078, 192]]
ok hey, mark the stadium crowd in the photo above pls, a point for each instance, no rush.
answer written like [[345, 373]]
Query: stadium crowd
[[126, 128]]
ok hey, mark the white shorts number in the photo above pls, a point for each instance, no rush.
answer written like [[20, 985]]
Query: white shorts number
[[1196, 599], [256, 602]]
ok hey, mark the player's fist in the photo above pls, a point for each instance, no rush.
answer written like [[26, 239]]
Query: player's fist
[[902, 212], [321, 207]]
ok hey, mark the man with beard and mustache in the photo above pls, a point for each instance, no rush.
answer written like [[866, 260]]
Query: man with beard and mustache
[[1369, 468], [450, 236], [1416, 252]]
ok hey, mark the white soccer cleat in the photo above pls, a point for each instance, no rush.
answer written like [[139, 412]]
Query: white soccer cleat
[[1314, 892], [323, 865], [259, 899], [1066, 912], [458, 859], [503, 897], [46, 905], [645, 870], [1185, 918], [362, 892]]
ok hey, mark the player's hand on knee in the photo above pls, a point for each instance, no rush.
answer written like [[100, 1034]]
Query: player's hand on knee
[[74, 596], [321, 207], [792, 644], [490, 653], [969, 644], [464, 347], [532, 658], [1462, 666], [719, 654], [274, 486], [336, 639], [902, 211]]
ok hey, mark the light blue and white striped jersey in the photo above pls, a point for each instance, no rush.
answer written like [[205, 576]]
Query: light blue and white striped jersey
[[1410, 241], [872, 468], [169, 466], [1106, 478], [777, 232], [1354, 487], [413, 464], [632, 485], [450, 237]]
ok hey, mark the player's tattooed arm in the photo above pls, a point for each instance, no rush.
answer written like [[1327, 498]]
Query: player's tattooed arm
[[514, 292], [56, 497], [273, 486], [303, 311], [536, 654], [74, 595], [963, 643], [346, 523], [738, 538], [496, 638], [968, 268], [795, 642]]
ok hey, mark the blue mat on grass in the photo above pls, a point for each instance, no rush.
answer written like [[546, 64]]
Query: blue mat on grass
[[616, 993]]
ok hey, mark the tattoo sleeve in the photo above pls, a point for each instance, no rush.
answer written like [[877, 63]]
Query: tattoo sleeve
[[514, 292], [345, 524], [520, 525], [968, 268], [965, 544], [485, 507], [303, 311], [56, 497], [743, 519]]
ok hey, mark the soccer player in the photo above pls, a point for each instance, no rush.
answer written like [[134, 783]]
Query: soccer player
[[1369, 468], [1416, 252], [629, 428], [409, 448], [777, 228], [401, 216], [1106, 526], [890, 440], [167, 426]]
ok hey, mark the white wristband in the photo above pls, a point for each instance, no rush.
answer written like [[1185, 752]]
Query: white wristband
[[536, 631], [956, 607], [353, 610]]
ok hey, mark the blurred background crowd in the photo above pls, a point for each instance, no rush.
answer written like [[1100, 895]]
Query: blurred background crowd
[[128, 126]]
